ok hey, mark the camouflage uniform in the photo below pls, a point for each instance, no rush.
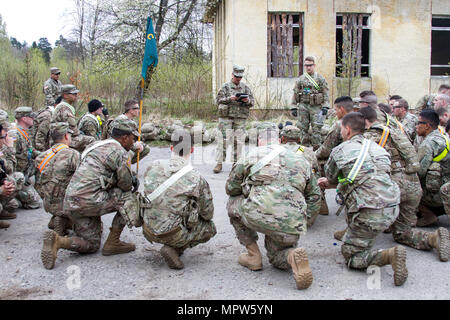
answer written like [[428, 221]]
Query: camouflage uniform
[[232, 119], [275, 201], [310, 102], [100, 185], [434, 176], [41, 129], [371, 201], [426, 102], [409, 123], [332, 140], [89, 125], [133, 152], [52, 90], [56, 174], [182, 216], [404, 167], [64, 112]]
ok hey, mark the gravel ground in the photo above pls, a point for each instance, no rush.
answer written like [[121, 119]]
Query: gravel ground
[[211, 270]]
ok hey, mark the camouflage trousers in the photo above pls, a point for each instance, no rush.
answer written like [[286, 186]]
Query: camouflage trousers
[[307, 116], [25, 194], [80, 142], [403, 229], [232, 130], [445, 196], [87, 221], [184, 238], [363, 228], [277, 244]]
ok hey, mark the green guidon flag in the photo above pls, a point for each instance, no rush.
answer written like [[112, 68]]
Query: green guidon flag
[[151, 51]]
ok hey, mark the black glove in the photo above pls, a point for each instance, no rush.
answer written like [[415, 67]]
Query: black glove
[[280, 126], [288, 123], [135, 182], [325, 110], [105, 112], [294, 112]]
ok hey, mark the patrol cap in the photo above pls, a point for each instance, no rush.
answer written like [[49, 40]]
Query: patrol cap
[[372, 100], [4, 122], [290, 132], [55, 71], [69, 89], [126, 125], [24, 112], [238, 71], [60, 127], [267, 128]]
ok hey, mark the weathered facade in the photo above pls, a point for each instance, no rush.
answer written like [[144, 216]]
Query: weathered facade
[[396, 45]]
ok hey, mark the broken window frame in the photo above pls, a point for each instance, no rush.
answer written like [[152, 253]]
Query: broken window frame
[[435, 28], [361, 25], [281, 47]]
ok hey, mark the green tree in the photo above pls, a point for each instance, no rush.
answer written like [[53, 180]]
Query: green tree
[[46, 49]]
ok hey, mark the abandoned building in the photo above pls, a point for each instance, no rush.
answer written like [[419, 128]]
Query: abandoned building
[[388, 46]]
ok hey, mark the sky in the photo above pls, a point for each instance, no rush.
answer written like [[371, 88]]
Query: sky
[[29, 20]]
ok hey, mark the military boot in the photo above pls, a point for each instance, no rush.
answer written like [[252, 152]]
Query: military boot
[[218, 168], [252, 259], [52, 243], [51, 223], [428, 217], [59, 225], [172, 257], [324, 208], [439, 240], [4, 225], [113, 245], [338, 235], [6, 215], [298, 259], [396, 257]]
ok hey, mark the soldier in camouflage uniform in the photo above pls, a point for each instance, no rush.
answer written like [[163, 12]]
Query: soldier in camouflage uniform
[[310, 103], [272, 191], [428, 100], [56, 167], [407, 119], [290, 139], [65, 112], [234, 101], [181, 216], [52, 87], [41, 127], [102, 184], [131, 113], [25, 154], [369, 196], [404, 167], [434, 172], [91, 123]]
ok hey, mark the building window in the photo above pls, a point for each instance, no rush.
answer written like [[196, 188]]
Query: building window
[[285, 45], [352, 42], [440, 49]]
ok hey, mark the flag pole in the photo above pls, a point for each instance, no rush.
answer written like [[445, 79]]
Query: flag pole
[[141, 104]]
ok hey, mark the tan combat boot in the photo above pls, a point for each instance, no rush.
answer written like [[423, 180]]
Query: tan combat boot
[[338, 235], [6, 215], [298, 259], [428, 217], [4, 225], [52, 243], [324, 208], [172, 257], [59, 226], [396, 257], [113, 245], [218, 168], [439, 240], [252, 259]]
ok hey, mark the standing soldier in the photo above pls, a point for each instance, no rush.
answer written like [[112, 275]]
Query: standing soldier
[[404, 167], [234, 101], [52, 87], [370, 197], [408, 120], [25, 154], [310, 103], [91, 123], [65, 112], [56, 167], [272, 191], [41, 127], [102, 184], [181, 208]]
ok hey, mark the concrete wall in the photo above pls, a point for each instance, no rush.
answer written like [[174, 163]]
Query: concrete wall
[[400, 45]]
